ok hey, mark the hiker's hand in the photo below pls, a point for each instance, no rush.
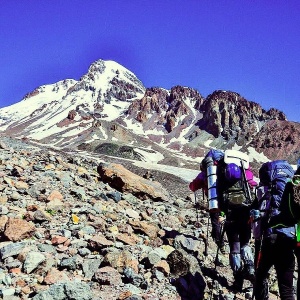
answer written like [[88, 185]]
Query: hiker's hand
[[221, 219], [254, 214]]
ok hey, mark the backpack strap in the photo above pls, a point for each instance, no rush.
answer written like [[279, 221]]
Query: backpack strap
[[246, 184]]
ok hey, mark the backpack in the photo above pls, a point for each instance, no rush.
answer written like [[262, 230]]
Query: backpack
[[274, 176], [227, 182], [290, 204], [232, 181]]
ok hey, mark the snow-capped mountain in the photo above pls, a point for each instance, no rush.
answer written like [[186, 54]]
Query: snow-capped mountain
[[104, 92], [110, 111]]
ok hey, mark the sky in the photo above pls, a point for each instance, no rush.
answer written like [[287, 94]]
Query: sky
[[249, 47]]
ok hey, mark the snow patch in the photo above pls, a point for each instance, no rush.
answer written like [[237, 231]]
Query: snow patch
[[150, 157], [254, 155]]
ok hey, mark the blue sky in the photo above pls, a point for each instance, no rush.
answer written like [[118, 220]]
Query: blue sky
[[250, 47]]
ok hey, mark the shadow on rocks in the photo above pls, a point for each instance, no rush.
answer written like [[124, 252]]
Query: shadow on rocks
[[186, 275]]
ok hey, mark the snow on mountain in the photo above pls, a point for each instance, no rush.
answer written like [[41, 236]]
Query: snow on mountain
[[99, 93]]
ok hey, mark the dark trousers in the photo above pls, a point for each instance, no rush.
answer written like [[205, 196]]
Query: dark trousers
[[277, 251], [297, 253], [238, 229]]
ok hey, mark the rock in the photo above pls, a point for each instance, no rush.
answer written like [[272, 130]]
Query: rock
[[55, 195], [8, 249], [147, 228], [90, 266], [32, 261], [58, 239], [108, 276], [41, 216], [3, 221], [55, 276], [188, 243], [98, 242], [125, 181], [179, 264], [69, 290], [120, 260], [17, 229]]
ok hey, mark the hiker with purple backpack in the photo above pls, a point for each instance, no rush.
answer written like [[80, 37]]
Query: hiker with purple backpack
[[274, 236], [290, 214], [229, 193]]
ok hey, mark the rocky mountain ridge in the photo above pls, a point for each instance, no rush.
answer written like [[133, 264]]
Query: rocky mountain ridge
[[110, 106]]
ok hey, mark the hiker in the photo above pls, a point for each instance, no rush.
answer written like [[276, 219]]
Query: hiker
[[290, 215], [229, 194], [274, 240]]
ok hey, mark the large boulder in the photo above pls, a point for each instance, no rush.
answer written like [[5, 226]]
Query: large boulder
[[125, 181]]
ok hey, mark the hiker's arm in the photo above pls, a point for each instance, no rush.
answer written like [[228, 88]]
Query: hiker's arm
[[199, 182]]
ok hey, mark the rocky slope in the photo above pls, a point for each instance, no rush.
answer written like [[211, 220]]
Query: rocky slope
[[75, 228], [286, 140]]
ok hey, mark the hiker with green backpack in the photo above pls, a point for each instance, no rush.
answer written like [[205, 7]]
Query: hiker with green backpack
[[290, 215], [274, 234], [229, 192]]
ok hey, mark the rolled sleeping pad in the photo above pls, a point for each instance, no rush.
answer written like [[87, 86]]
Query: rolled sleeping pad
[[211, 171]]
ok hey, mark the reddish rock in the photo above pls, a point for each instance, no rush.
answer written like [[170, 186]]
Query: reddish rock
[[18, 229], [231, 116], [58, 239], [147, 228], [128, 239], [125, 181], [163, 266], [108, 276], [72, 114], [54, 276], [124, 295], [55, 195], [99, 241]]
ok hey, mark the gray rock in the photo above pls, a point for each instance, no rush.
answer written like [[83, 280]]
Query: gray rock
[[7, 292], [69, 263], [3, 210], [187, 243], [136, 279], [46, 248], [90, 266], [78, 291], [32, 261], [11, 249], [88, 230], [84, 251], [116, 196]]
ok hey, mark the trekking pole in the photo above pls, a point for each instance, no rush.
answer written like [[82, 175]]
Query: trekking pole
[[197, 225], [207, 229], [217, 255], [197, 206], [246, 185]]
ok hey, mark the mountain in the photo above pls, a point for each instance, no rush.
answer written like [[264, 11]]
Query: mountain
[[109, 111]]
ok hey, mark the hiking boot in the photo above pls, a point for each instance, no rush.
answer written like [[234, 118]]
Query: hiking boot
[[249, 271]]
